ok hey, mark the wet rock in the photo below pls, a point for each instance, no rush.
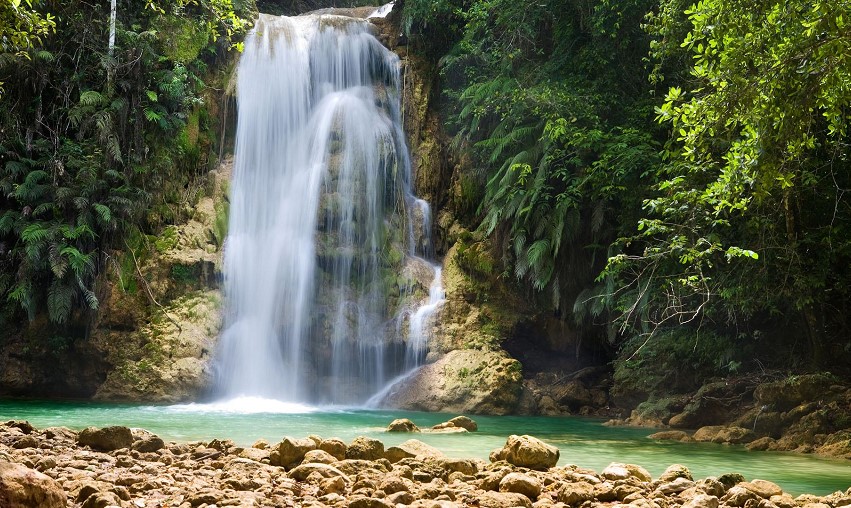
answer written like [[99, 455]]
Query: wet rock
[[22, 487], [671, 435], [761, 444], [365, 448], [402, 425], [521, 484], [527, 451], [723, 434], [106, 439], [464, 381], [465, 423]]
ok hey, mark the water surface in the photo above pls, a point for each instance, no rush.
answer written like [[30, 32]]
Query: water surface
[[582, 441]]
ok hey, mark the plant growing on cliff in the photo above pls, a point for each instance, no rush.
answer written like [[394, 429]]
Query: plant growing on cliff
[[92, 137]]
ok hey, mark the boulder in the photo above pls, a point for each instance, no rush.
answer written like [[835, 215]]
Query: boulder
[[723, 434], [675, 471], [675, 485], [492, 499], [22, 487], [671, 435], [618, 471], [319, 456], [290, 451], [410, 449], [457, 423], [402, 425], [106, 439], [365, 448], [576, 493], [527, 451], [521, 484], [763, 488], [301, 472], [701, 501], [148, 443], [465, 380], [335, 447], [738, 496]]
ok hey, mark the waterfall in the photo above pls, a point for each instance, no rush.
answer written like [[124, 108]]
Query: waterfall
[[320, 200]]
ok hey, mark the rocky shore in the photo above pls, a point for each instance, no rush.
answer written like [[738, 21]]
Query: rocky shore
[[119, 467]]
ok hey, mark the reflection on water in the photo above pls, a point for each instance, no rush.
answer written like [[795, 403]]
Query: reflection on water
[[584, 442]]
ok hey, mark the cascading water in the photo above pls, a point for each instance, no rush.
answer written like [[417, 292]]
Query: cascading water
[[320, 199]]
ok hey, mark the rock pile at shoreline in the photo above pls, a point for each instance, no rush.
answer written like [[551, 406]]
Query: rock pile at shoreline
[[53, 467]]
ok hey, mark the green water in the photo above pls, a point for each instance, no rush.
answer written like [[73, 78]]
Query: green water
[[584, 442]]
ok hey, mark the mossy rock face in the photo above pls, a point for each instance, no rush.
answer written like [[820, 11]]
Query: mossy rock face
[[167, 360], [161, 315], [464, 381]]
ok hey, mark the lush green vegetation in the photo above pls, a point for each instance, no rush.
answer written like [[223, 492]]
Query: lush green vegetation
[[100, 141], [674, 173]]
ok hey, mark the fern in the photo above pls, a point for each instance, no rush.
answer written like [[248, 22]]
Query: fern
[[60, 298]]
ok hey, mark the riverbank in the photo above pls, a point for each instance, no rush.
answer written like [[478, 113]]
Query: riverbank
[[117, 466]]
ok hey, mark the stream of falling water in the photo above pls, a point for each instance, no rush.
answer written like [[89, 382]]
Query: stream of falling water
[[321, 194]]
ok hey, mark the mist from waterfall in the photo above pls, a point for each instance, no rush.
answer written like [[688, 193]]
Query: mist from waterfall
[[321, 190]]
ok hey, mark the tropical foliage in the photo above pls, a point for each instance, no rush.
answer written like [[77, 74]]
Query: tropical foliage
[[701, 147], [96, 142]]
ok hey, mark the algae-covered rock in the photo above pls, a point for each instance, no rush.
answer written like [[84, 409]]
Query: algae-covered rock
[[462, 381]]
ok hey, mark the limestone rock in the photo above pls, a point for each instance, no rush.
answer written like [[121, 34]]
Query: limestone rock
[[319, 457], [701, 501], [462, 381], [763, 488], [521, 484], [335, 447], [22, 487], [671, 435], [459, 422], [576, 492], [301, 472], [527, 451], [402, 425], [675, 471], [676, 485], [618, 471], [723, 434], [290, 451], [465, 422], [410, 449], [106, 439], [365, 448], [492, 499], [738, 496]]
